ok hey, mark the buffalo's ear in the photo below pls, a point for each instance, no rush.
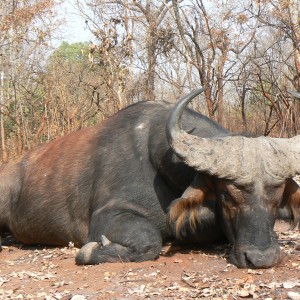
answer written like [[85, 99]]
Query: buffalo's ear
[[186, 214], [291, 199]]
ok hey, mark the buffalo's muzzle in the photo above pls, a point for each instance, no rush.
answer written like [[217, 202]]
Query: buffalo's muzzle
[[252, 257]]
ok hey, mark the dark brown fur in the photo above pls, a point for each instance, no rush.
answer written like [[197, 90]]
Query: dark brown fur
[[292, 199], [185, 208], [186, 211]]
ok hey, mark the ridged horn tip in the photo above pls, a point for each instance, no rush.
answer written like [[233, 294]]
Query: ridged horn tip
[[173, 126]]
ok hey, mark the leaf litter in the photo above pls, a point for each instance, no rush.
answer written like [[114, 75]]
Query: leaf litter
[[180, 273]]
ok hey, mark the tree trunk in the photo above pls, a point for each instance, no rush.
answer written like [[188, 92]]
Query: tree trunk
[[151, 59]]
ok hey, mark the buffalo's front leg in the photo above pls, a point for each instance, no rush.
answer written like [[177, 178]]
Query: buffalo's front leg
[[123, 237]]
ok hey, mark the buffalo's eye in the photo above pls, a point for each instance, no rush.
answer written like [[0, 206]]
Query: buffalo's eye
[[226, 197], [229, 201]]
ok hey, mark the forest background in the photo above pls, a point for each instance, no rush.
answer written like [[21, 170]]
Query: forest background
[[245, 53]]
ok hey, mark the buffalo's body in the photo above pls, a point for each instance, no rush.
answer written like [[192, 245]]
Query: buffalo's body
[[112, 179], [108, 189]]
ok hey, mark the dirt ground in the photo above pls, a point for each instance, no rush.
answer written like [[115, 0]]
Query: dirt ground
[[179, 273]]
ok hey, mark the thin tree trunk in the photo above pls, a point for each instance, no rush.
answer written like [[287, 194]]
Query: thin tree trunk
[[2, 130], [150, 73]]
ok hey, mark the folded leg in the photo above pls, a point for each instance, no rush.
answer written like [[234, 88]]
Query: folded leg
[[124, 237]]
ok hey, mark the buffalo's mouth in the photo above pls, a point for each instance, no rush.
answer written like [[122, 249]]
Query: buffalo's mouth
[[248, 256]]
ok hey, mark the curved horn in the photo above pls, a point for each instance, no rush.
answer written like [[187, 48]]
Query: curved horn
[[174, 120], [233, 157]]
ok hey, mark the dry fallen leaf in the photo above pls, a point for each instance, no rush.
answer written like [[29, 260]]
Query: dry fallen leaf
[[177, 261], [78, 297], [138, 290], [243, 293], [294, 296], [290, 284]]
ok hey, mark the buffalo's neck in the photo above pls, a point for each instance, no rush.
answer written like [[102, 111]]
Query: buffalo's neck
[[176, 174]]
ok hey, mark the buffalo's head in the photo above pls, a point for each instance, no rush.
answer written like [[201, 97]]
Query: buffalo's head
[[251, 174]]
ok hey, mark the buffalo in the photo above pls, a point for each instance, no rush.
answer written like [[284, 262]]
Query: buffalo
[[148, 174]]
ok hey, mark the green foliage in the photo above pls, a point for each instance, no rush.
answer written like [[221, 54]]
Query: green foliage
[[75, 52]]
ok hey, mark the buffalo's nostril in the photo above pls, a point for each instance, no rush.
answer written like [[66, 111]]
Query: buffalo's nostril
[[262, 258]]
